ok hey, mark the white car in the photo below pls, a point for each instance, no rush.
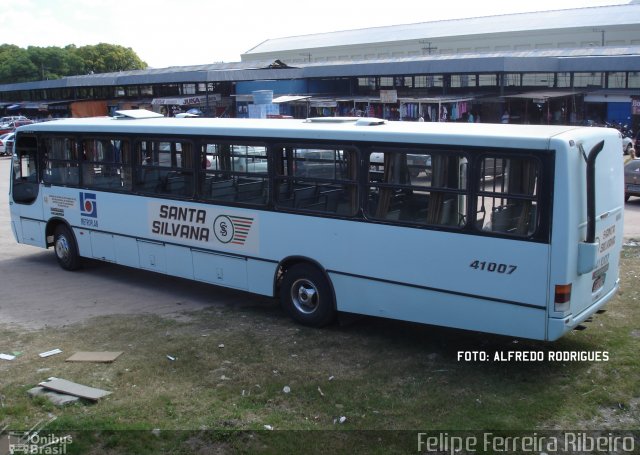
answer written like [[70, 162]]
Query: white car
[[8, 137], [627, 145]]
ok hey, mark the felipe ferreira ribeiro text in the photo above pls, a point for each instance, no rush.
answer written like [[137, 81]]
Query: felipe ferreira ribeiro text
[[533, 356], [566, 442]]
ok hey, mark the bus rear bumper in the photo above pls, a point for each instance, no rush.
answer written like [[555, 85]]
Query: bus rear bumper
[[558, 327]]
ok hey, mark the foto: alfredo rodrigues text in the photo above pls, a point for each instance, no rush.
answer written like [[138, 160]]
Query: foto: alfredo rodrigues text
[[533, 356]]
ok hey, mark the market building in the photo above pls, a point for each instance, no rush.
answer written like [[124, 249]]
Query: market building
[[570, 66]]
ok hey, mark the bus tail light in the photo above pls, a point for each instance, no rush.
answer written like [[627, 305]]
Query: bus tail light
[[562, 297]]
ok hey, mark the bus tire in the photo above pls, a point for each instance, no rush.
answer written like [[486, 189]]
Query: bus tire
[[307, 296], [65, 248]]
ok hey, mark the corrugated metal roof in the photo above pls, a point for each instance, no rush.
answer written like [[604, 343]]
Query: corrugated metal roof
[[546, 20]]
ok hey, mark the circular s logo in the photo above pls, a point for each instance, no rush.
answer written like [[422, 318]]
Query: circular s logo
[[223, 229]]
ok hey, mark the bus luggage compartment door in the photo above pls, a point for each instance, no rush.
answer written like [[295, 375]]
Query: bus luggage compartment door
[[220, 269]]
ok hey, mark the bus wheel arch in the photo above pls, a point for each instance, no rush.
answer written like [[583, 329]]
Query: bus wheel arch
[[61, 237], [305, 291]]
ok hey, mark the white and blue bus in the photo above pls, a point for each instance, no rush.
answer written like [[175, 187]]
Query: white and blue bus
[[507, 229]]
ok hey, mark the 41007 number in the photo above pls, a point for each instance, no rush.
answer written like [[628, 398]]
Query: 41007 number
[[495, 267]]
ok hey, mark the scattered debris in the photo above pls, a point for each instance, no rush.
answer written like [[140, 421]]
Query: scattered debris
[[50, 353], [331, 378], [286, 389], [58, 399], [7, 356], [268, 427], [71, 388], [171, 357], [343, 419], [100, 357], [320, 390], [156, 432], [221, 345]]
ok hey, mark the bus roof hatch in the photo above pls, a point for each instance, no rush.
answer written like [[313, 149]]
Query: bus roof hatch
[[136, 114]]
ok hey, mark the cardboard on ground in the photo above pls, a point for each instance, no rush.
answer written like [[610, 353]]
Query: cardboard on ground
[[71, 388], [102, 357]]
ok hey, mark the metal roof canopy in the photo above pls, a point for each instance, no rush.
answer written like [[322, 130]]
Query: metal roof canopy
[[625, 58], [543, 94]]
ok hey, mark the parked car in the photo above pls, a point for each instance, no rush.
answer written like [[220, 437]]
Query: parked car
[[13, 118], [6, 140], [632, 179], [11, 126]]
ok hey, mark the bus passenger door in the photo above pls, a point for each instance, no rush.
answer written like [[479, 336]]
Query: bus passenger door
[[25, 201]]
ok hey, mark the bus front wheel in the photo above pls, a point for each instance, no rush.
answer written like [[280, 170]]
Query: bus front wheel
[[64, 245], [306, 296]]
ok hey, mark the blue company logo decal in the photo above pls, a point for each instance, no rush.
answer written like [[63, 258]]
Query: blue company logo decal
[[88, 205]]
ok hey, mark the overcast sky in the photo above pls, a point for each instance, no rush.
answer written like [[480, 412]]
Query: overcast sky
[[192, 32]]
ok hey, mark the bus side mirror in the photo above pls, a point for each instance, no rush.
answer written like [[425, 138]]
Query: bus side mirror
[[587, 257]]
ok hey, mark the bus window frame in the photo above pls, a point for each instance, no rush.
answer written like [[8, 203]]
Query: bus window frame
[[140, 169], [545, 160], [417, 149], [275, 153], [125, 168], [362, 150], [235, 195], [45, 159]]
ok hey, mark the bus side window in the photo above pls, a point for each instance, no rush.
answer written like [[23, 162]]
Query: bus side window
[[105, 164], [508, 196], [317, 178], [61, 165], [164, 167], [418, 187], [234, 172]]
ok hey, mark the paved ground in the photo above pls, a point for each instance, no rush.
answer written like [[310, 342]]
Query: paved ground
[[35, 292]]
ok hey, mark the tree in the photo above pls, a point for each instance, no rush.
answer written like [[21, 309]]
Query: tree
[[15, 65], [107, 58], [40, 63]]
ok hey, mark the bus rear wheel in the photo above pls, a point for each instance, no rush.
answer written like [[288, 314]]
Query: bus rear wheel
[[307, 296], [66, 250]]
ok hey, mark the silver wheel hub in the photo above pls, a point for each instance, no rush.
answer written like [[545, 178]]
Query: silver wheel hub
[[62, 248], [304, 296]]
